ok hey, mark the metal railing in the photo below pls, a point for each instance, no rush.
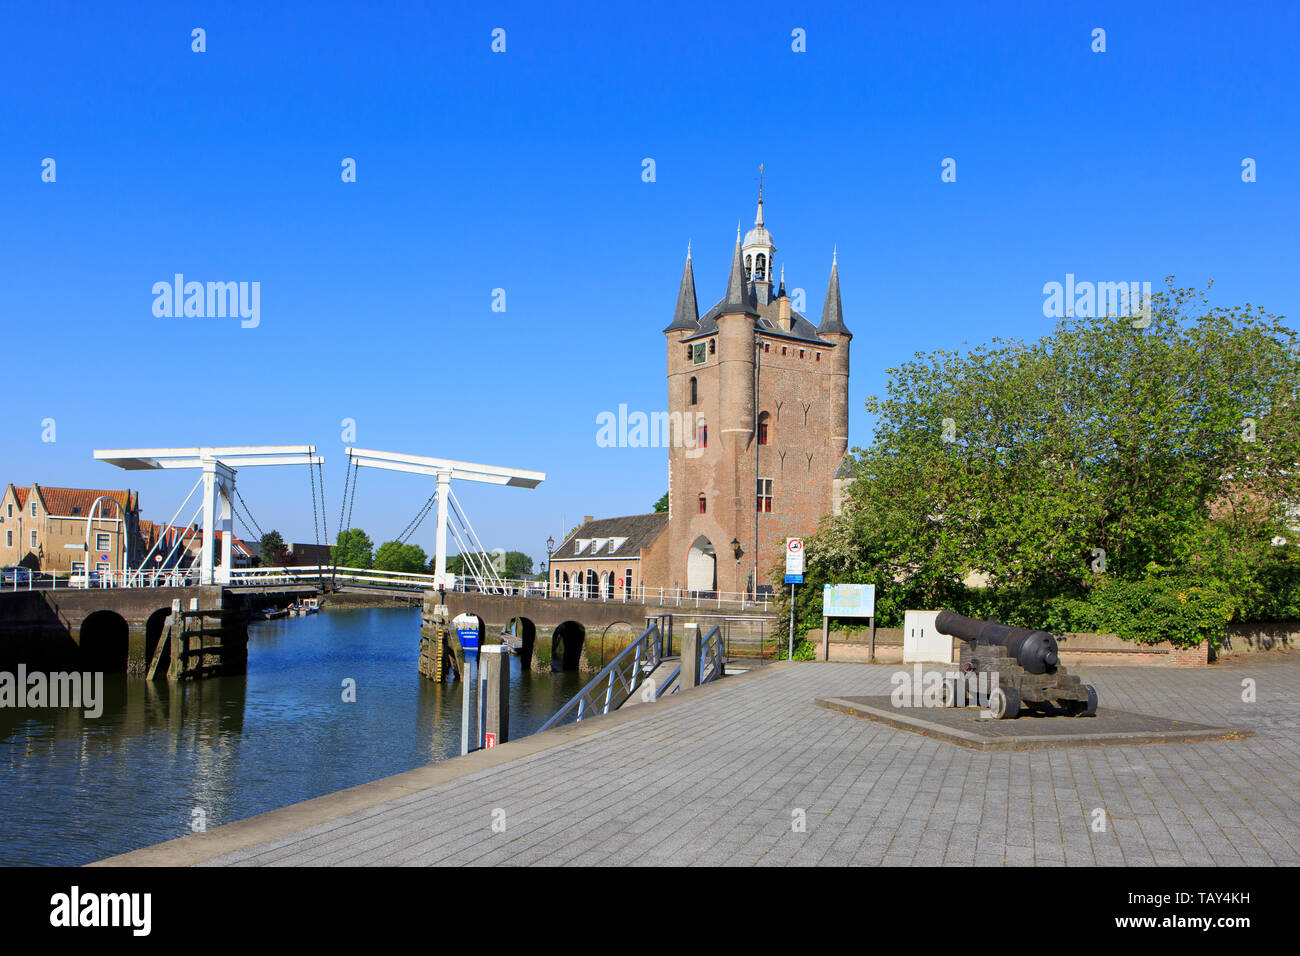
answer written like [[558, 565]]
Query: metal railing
[[46, 581], [413, 581], [616, 682], [711, 655]]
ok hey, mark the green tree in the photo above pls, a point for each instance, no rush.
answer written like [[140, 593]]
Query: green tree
[[394, 556], [1104, 451], [272, 548], [511, 564], [352, 549], [662, 504]]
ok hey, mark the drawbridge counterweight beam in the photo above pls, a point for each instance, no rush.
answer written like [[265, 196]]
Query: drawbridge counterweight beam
[[444, 470], [218, 465]]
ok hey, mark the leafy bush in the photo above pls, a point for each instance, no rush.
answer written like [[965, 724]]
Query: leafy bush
[[1148, 612], [805, 651]]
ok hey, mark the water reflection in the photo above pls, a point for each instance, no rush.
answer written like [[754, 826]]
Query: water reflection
[[79, 789]]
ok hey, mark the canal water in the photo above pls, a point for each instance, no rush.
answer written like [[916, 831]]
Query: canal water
[[163, 759]]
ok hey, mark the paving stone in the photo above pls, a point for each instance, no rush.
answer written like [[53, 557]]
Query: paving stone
[[713, 781]]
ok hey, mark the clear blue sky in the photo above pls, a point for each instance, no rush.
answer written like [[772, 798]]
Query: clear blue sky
[[522, 171]]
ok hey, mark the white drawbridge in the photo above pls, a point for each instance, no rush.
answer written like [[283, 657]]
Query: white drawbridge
[[444, 470], [218, 466]]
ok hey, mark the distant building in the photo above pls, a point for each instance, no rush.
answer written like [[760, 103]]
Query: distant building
[[39, 524], [306, 555], [611, 558], [181, 547]]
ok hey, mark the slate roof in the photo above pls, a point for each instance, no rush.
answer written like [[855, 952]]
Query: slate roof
[[638, 532], [766, 311], [832, 311], [686, 317]]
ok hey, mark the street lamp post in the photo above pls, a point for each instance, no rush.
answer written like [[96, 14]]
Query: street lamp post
[[89, 518], [550, 547]]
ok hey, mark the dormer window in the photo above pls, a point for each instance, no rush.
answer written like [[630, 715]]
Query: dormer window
[[580, 545]]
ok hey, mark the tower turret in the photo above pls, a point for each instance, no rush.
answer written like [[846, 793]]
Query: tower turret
[[758, 252], [833, 329]]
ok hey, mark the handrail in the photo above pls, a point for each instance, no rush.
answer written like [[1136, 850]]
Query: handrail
[[670, 681], [627, 669], [711, 663], [665, 598]]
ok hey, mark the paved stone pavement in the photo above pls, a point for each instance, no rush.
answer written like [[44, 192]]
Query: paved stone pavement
[[719, 780]]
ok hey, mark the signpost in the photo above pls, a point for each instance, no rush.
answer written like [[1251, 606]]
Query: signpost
[[793, 576], [848, 600]]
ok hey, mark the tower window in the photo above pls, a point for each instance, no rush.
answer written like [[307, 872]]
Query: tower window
[[688, 351], [749, 266], [713, 346], [801, 353], [783, 350], [818, 356], [762, 428], [760, 267], [763, 498], [703, 505], [694, 392]]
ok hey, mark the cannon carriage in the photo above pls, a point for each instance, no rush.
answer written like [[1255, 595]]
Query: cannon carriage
[[1012, 669]]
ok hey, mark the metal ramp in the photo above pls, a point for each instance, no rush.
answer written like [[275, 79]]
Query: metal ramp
[[660, 682], [642, 673]]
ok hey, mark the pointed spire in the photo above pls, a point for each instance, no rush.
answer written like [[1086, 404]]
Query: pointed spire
[[686, 318], [780, 293], [832, 311], [739, 296]]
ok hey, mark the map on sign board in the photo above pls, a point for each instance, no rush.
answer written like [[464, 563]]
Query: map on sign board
[[849, 600]]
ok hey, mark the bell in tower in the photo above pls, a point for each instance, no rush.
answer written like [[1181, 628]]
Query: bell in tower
[[758, 251]]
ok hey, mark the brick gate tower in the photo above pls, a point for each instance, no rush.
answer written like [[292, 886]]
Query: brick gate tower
[[763, 395]]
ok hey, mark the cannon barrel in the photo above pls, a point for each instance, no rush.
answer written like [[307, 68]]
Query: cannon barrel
[[1035, 651]]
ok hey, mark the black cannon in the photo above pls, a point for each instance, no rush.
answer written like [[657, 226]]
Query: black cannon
[[1007, 669]]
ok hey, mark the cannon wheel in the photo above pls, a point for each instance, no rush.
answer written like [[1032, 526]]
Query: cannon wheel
[[1004, 703], [1090, 709]]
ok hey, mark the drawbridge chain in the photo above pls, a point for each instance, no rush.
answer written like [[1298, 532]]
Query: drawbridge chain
[[418, 520], [248, 511], [315, 522], [324, 512]]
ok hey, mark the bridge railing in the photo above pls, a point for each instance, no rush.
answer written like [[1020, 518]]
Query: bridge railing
[[659, 597], [616, 682], [408, 580]]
